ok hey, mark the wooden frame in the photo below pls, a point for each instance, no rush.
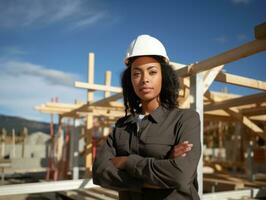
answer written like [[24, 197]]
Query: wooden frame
[[210, 69]]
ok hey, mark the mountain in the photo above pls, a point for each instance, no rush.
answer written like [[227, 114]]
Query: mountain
[[18, 123]]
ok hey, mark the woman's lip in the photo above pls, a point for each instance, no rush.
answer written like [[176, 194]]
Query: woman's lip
[[145, 89]]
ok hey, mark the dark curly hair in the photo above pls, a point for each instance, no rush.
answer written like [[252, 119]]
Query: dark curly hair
[[168, 94]]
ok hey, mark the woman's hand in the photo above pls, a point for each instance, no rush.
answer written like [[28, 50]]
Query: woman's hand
[[119, 162], [180, 150]]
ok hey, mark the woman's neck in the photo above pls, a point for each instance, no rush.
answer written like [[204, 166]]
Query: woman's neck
[[149, 106]]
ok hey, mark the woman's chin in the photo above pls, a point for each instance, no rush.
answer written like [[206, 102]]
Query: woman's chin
[[148, 98]]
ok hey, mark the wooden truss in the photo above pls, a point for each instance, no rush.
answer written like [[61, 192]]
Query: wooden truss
[[195, 80]]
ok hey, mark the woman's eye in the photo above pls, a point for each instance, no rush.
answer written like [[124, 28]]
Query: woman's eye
[[153, 72], [136, 74]]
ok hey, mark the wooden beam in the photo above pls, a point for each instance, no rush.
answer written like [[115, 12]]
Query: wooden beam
[[223, 116], [260, 31], [259, 110], [116, 104], [94, 87], [82, 108], [177, 66], [108, 99], [242, 51], [217, 118], [222, 95], [107, 108], [108, 114], [210, 75], [225, 184], [241, 81], [258, 118], [98, 105], [246, 121], [62, 105], [220, 113], [49, 110], [45, 107], [250, 99], [237, 115]]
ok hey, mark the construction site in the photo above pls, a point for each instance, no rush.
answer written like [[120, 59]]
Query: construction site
[[233, 134]]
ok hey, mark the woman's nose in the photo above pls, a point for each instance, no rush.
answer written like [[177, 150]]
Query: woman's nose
[[145, 79]]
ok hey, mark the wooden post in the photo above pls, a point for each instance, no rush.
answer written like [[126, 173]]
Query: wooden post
[[196, 92], [249, 161], [51, 165], [13, 143], [108, 75], [3, 143], [90, 75], [66, 150], [88, 148], [184, 102], [75, 149], [24, 137], [264, 127]]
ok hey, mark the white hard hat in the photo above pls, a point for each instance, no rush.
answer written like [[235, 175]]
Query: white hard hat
[[146, 45]]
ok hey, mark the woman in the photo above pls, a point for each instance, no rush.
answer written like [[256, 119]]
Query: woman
[[149, 155]]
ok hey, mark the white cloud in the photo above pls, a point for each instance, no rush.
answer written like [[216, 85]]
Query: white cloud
[[221, 39], [28, 13], [12, 51], [51, 76], [68, 9], [241, 1], [24, 85], [87, 21]]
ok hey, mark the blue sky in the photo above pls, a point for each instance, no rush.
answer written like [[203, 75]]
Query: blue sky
[[44, 45]]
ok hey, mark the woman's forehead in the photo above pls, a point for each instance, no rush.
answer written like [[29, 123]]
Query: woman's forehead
[[144, 61]]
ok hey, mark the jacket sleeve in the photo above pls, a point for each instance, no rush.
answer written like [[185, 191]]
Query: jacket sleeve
[[107, 175], [171, 173]]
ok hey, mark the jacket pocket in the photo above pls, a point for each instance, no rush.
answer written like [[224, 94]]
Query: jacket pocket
[[122, 142], [157, 147], [122, 149]]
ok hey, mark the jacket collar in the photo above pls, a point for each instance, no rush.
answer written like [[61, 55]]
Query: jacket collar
[[157, 116]]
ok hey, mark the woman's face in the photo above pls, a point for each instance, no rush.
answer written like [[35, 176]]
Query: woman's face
[[146, 78]]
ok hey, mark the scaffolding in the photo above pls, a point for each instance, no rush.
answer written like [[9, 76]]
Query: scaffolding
[[195, 80]]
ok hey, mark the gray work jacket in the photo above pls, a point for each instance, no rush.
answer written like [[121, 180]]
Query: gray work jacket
[[148, 145]]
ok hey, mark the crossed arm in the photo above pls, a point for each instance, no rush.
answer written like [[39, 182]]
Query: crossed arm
[[134, 172], [179, 150]]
